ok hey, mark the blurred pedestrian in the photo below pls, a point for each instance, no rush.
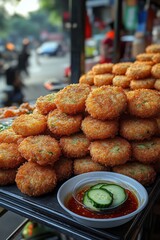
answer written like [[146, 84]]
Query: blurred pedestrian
[[23, 58]]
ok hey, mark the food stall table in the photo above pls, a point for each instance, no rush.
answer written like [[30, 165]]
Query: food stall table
[[46, 210]]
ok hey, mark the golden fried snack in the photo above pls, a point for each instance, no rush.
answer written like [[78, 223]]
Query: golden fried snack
[[158, 123], [106, 102], [150, 63], [7, 176], [61, 124], [156, 70], [71, 99], [153, 48], [63, 168], [121, 81], [121, 68], [9, 156], [9, 136], [143, 103], [41, 149], [35, 180], [145, 57], [156, 58], [145, 174], [103, 79], [75, 146], [147, 83], [87, 78], [157, 84], [45, 104], [102, 68], [29, 124], [138, 129], [138, 71], [147, 151], [110, 152], [98, 129], [84, 165]]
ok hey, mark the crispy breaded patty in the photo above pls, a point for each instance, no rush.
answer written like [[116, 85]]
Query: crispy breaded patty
[[102, 68], [138, 129], [139, 71], [71, 99], [103, 79], [153, 48], [9, 136], [35, 180], [87, 78], [110, 152], [156, 58], [147, 151], [121, 68], [84, 165], [61, 124], [7, 176], [106, 102], [157, 84], [121, 81], [45, 104], [145, 174], [143, 103], [63, 168], [98, 129], [29, 124], [145, 57], [42, 149], [147, 83], [156, 70], [75, 146], [10, 156]]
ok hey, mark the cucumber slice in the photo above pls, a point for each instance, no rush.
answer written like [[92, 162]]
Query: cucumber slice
[[88, 203], [102, 198], [119, 194], [98, 185]]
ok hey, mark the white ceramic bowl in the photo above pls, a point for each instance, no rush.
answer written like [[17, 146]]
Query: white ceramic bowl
[[129, 183]]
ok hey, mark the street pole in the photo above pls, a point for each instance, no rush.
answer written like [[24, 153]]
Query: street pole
[[77, 39]]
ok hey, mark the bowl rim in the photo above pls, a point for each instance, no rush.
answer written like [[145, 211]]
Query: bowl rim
[[124, 178]]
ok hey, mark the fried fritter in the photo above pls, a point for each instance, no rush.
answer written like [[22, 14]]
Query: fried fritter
[[139, 71], [63, 168], [9, 156], [84, 165], [157, 84], [110, 152], [138, 129], [147, 151], [156, 70], [121, 68], [87, 78], [41, 149], [35, 180], [143, 103], [147, 83], [145, 174], [98, 129], [7, 176], [45, 104], [75, 146], [103, 79], [9, 136], [145, 57], [29, 124], [156, 58], [71, 99], [61, 124], [106, 102], [121, 81], [102, 68], [153, 48]]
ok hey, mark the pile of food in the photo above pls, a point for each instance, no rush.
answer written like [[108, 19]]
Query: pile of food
[[109, 121]]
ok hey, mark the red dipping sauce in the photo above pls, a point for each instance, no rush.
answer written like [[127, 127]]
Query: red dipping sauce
[[129, 206]]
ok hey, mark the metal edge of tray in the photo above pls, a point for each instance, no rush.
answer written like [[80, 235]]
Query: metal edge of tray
[[51, 222]]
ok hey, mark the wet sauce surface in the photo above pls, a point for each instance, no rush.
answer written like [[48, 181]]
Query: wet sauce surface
[[127, 207]]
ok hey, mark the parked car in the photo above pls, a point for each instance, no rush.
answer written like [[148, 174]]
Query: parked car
[[51, 49]]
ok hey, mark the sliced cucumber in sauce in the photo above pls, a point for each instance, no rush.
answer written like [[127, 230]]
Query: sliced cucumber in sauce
[[119, 194], [98, 185], [102, 198]]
